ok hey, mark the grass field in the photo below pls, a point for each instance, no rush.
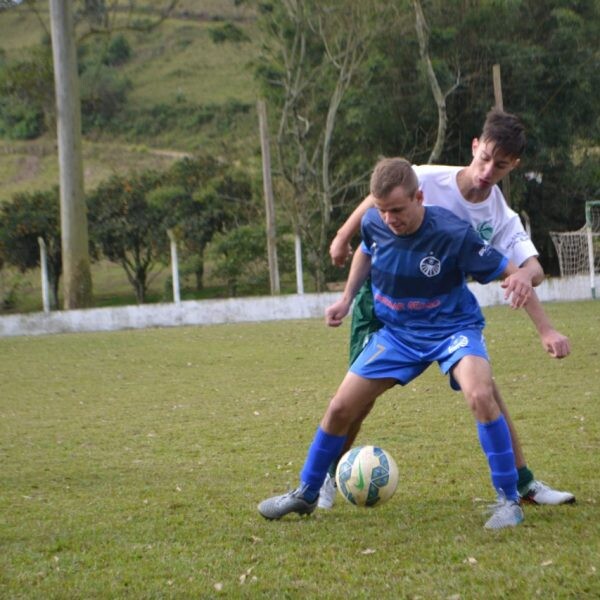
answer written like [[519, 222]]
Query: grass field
[[132, 463]]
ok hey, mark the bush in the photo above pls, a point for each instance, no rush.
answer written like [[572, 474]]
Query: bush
[[20, 121], [117, 52], [103, 95], [227, 33]]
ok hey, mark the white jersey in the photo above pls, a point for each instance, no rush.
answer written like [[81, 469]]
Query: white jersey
[[492, 218]]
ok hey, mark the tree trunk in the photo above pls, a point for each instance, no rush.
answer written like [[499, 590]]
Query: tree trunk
[[74, 229]]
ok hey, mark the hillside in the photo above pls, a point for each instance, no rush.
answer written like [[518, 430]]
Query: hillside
[[175, 65]]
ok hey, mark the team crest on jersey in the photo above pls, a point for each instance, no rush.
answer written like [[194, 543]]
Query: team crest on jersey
[[430, 266], [485, 230]]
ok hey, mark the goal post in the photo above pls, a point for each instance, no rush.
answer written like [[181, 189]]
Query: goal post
[[579, 251], [592, 210]]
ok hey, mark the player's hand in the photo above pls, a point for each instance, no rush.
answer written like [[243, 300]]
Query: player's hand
[[556, 344], [517, 288], [334, 314], [340, 251]]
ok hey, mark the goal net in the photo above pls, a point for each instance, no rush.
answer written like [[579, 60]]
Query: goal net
[[579, 251]]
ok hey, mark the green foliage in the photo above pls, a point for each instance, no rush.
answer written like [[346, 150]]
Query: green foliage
[[27, 94], [227, 32], [141, 122], [24, 219], [20, 121], [132, 463], [118, 51], [240, 255], [128, 228], [103, 96]]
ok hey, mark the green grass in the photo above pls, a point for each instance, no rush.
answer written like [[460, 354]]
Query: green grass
[[132, 463], [31, 166], [177, 62]]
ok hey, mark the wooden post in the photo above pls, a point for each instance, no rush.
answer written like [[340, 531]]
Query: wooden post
[[268, 191], [500, 104], [77, 279]]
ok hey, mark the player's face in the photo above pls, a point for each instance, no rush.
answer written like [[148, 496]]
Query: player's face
[[401, 212], [489, 166]]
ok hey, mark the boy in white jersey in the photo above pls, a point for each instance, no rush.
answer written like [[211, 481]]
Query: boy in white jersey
[[471, 193]]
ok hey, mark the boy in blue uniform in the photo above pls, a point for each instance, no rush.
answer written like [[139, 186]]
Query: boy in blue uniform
[[418, 259]]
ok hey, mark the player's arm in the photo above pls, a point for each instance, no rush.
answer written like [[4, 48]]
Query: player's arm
[[340, 248], [555, 343], [359, 271], [525, 278]]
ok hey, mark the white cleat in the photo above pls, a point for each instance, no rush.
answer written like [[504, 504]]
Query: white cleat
[[505, 513], [540, 493], [327, 493]]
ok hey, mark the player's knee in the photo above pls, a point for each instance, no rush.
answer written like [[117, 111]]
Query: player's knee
[[481, 401], [342, 412]]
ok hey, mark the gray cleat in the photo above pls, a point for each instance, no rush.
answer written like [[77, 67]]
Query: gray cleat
[[505, 513], [279, 506]]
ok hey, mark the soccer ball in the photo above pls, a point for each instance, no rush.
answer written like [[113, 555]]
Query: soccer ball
[[367, 476]]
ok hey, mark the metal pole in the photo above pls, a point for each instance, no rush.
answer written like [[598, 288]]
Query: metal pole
[[299, 274], [174, 267], [44, 274]]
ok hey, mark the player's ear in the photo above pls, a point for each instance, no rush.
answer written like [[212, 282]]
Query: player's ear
[[474, 145], [516, 163], [419, 196]]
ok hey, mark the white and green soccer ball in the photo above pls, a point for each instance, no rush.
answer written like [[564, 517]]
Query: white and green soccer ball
[[367, 476]]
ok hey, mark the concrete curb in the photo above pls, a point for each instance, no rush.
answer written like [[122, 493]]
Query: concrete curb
[[237, 310]]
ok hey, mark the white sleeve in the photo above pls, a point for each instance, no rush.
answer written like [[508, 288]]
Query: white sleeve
[[513, 241]]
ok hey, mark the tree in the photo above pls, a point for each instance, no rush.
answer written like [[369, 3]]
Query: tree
[[205, 198], [438, 95], [312, 52], [27, 217], [128, 229], [239, 255]]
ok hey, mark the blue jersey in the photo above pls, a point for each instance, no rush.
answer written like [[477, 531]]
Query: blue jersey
[[419, 280]]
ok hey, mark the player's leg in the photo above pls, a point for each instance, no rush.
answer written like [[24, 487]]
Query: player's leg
[[328, 490], [474, 375], [343, 410], [529, 488], [364, 322], [363, 325]]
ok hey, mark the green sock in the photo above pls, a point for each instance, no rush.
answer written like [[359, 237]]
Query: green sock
[[332, 468], [525, 478]]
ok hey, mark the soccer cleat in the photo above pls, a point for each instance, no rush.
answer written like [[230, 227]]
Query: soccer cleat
[[540, 493], [505, 513], [279, 506], [327, 493]]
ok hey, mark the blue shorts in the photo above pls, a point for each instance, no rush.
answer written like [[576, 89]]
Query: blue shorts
[[385, 356]]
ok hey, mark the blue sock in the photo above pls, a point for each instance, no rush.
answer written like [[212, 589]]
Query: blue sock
[[324, 449], [497, 445]]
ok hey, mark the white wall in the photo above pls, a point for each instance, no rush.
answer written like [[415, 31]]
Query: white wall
[[236, 310]]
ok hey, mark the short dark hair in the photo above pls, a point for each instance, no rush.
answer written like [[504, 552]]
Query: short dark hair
[[506, 131], [390, 173]]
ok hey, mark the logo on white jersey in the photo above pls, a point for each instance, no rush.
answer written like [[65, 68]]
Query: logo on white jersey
[[485, 230], [430, 266]]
